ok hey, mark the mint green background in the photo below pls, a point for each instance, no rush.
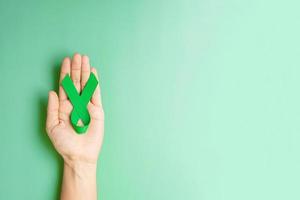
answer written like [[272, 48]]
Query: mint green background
[[201, 96]]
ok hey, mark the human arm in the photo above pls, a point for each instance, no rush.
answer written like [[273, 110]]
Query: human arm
[[80, 152]]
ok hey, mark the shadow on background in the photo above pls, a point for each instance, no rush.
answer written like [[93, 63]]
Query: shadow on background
[[42, 112]]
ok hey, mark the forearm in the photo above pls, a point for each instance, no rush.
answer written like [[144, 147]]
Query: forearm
[[79, 181]]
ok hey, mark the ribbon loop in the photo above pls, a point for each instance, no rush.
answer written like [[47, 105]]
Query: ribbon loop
[[80, 101]]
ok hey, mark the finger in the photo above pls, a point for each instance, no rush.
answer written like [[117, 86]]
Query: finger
[[96, 98], [65, 69], [85, 70], [76, 70], [52, 111]]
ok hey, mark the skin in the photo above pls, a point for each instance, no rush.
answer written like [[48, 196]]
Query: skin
[[80, 152]]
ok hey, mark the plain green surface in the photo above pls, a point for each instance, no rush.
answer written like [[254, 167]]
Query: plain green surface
[[201, 96]]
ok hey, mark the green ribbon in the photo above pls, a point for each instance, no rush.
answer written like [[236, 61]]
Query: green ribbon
[[80, 101]]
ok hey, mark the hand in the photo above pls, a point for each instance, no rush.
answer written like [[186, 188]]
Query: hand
[[83, 148]]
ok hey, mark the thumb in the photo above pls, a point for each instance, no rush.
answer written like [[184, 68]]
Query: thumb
[[52, 111]]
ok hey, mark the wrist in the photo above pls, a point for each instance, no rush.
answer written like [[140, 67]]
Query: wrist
[[80, 168], [79, 180]]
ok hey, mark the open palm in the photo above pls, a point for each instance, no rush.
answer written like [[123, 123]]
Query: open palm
[[70, 145]]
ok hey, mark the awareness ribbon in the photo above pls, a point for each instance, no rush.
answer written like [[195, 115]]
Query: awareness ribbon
[[80, 101]]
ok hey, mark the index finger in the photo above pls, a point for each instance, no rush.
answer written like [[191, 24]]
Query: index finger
[[65, 69]]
